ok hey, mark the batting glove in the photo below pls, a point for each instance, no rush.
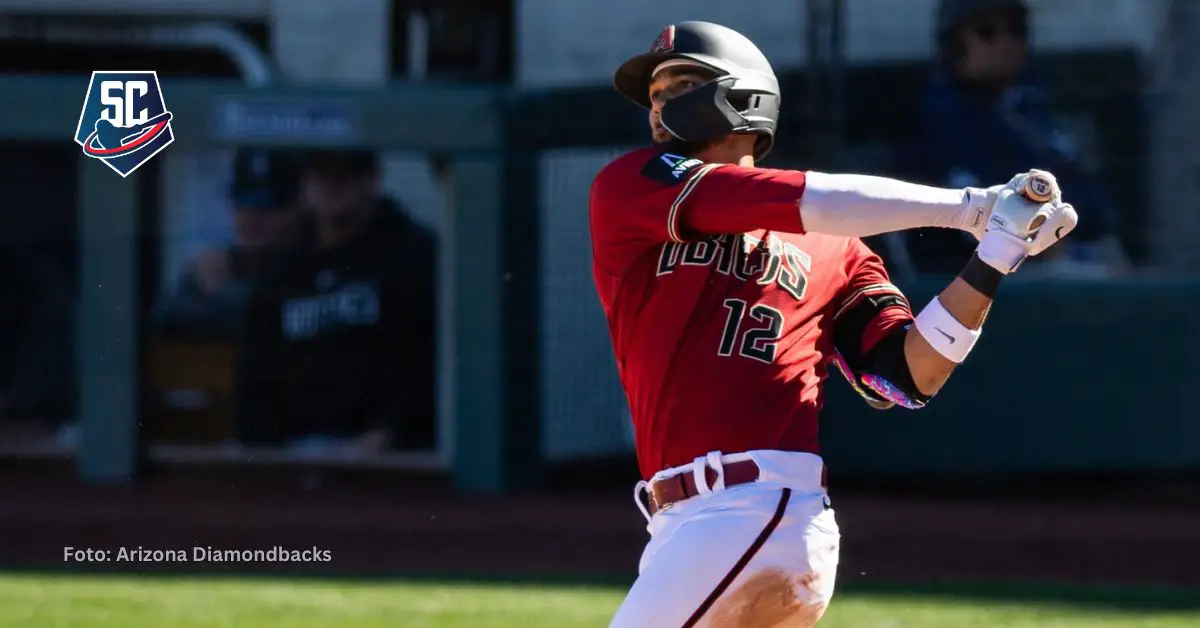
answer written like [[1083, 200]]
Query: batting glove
[[1019, 228], [981, 201]]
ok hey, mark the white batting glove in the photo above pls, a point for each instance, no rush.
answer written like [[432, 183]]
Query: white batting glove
[[1019, 228], [980, 201]]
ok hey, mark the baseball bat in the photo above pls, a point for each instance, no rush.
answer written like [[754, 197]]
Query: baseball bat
[[1039, 188]]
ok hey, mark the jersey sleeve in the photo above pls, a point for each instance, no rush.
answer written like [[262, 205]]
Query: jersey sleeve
[[871, 306], [645, 200], [866, 312]]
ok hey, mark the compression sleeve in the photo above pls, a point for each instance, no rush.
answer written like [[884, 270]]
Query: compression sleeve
[[858, 206], [733, 199]]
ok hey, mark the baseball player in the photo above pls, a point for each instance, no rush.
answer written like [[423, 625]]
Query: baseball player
[[729, 290]]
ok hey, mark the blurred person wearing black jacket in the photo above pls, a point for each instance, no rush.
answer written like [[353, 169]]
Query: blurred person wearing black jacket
[[983, 115], [340, 342], [212, 295]]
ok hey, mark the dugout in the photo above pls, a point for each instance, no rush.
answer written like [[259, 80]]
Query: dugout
[[486, 365]]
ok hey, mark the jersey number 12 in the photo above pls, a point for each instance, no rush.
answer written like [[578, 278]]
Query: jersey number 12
[[757, 343]]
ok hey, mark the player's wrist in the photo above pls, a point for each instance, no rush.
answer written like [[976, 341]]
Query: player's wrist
[[981, 276], [973, 213], [1001, 251]]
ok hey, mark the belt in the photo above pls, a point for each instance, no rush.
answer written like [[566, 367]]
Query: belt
[[679, 487], [674, 489]]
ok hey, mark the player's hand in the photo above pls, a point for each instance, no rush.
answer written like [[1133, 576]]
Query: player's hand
[[1019, 228], [981, 201]]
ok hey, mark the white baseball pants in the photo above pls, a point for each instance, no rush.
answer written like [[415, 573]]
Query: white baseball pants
[[762, 554]]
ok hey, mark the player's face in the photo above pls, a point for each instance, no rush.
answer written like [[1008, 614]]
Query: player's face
[[996, 46], [666, 85], [259, 228], [332, 195]]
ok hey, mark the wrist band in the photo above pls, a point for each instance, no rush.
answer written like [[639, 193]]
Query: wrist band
[[944, 333], [980, 276]]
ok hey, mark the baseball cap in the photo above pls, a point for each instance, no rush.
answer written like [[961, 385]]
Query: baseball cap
[[264, 179]]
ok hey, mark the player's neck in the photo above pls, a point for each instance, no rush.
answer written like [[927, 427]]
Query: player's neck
[[717, 156], [732, 151]]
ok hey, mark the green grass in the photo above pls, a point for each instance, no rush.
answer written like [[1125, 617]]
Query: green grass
[[74, 601]]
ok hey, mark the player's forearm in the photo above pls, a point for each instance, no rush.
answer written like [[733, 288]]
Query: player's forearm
[[859, 206], [945, 331]]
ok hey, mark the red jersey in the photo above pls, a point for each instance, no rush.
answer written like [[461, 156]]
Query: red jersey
[[720, 308]]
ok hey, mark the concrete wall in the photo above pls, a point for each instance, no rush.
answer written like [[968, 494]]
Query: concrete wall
[[346, 41], [196, 8], [564, 43]]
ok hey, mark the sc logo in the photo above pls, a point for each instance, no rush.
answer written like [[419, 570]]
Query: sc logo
[[120, 100], [124, 121]]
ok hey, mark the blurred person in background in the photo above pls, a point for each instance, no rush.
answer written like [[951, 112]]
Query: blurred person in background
[[212, 295], [982, 118], [340, 346]]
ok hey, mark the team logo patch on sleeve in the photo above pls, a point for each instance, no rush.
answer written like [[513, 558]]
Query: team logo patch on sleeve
[[670, 169]]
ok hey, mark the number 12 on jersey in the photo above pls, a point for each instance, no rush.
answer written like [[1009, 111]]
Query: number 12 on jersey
[[758, 342]]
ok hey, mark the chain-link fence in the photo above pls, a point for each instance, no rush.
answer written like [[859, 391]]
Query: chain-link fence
[[1108, 99]]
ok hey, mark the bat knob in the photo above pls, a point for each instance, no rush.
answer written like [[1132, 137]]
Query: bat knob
[[1039, 187]]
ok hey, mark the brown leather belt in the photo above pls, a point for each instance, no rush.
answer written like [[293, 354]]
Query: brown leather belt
[[677, 488]]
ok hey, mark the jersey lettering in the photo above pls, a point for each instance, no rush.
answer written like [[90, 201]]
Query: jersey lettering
[[750, 262], [774, 260], [699, 252], [793, 273], [771, 262], [668, 259]]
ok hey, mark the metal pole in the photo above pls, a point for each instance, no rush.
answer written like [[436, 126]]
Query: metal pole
[[813, 71], [255, 65], [836, 74], [824, 84], [107, 323]]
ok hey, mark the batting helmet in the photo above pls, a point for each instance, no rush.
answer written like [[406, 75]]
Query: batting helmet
[[744, 98]]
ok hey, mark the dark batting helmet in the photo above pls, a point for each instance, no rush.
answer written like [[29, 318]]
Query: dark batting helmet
[[744, 98]]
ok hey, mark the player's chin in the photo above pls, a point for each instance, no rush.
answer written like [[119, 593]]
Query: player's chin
[[661, 136]]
